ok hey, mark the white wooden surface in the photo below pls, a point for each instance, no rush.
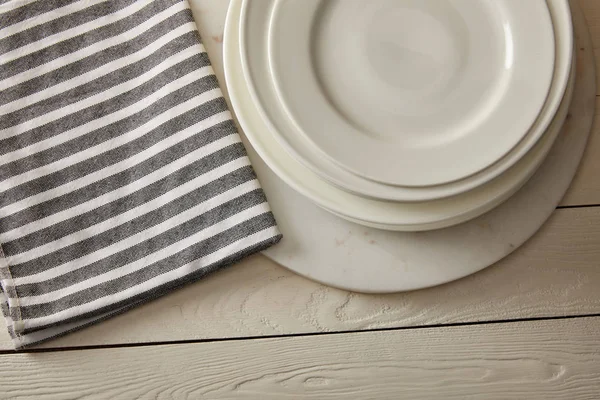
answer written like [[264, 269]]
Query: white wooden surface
[[555, 274], [525, 360]]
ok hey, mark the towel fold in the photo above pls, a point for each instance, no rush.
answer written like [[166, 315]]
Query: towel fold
[[122, 175]]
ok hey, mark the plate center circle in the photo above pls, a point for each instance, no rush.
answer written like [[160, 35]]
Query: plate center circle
[[409, 70], [406, 64]]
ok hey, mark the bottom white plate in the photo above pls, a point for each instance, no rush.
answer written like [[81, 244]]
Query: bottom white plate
[[333, 251]]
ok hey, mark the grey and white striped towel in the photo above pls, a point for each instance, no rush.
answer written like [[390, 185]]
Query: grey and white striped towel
[[122, 175]]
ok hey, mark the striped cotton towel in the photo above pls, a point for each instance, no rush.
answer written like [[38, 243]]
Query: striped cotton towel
[[122, 174]]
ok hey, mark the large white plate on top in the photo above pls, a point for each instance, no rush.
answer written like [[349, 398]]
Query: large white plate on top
[[257, 72], [411, 92], [390, 215], [320, 246]]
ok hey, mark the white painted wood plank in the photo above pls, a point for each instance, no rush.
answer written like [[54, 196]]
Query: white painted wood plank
[[527, 360], [585, 188], [555, 273]]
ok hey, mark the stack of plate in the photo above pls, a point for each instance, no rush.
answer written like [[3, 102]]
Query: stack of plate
[[405, 115]]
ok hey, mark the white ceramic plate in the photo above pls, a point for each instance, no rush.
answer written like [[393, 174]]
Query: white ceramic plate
[[398, 216], [412, 93], [342, 254], [257, 74]]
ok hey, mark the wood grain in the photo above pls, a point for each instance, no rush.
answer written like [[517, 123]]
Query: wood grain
[[527, 360], [556, 273]]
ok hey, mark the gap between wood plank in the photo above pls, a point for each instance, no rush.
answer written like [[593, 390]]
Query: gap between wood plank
[[242, 338], [578, 206]]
